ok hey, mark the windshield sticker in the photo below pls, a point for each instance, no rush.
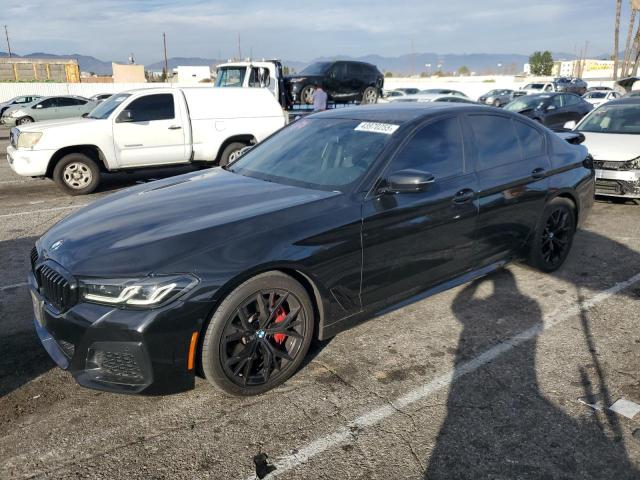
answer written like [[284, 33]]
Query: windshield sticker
[[375, 127]]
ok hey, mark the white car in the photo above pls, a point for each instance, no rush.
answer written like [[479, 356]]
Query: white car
[[598, 97], [431, 97], [145, 128], [533, 88], [612, 136]]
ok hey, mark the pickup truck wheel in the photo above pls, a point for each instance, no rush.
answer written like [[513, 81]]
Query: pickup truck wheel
[[306, 95], [230, 153], [24, 120], [370, 95], [77, 174]]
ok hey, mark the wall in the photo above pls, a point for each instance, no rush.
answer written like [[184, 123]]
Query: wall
[[128, 73]]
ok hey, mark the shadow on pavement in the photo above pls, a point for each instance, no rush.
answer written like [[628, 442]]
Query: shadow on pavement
[[498, 424]]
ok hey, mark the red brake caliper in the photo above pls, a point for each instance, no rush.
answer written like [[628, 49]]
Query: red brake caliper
[[280, 316]]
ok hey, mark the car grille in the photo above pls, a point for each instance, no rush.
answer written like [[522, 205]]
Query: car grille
[[34, 259], [68, 348], [56, 288], [608, 186], [119, 364], [608, 165]]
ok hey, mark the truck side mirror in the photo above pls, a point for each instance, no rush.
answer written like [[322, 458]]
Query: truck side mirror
[[125, 116]]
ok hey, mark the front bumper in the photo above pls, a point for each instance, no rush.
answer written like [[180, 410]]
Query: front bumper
[[29, 163], [618, 183], [120, 350], [8, 121]]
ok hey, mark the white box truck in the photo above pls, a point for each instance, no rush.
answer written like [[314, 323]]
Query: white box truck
[[145, 128]]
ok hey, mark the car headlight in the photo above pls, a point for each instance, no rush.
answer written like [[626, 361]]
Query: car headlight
[[148, 292], [633, 164], [28, 139]]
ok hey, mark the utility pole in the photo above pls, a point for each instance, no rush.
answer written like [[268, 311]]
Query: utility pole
[[166, 63], [239, 49], [6, 33]]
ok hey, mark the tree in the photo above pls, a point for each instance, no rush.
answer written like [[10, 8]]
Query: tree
[[388, 74], [616, 37], [464, 70], [541, 63]]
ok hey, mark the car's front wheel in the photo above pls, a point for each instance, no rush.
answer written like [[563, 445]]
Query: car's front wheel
[[258, 336], [24, 120], [553, 237], [231, 153], [306, 95], [77, 174], [370, 95]]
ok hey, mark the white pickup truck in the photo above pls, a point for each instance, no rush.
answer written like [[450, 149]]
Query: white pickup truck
[[145, 128]]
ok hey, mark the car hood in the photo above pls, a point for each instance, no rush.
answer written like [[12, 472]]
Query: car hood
[[612, 146], [59, 123], [144, 228]]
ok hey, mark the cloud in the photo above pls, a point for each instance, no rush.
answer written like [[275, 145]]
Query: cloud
[[111, 29]]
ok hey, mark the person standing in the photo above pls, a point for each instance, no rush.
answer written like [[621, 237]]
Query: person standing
[[319, 99]]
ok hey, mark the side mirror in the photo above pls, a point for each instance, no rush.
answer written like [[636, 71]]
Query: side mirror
[[550, 107], [125, 116], [570, 125], [38, 106], [408, 181], [85, 114]]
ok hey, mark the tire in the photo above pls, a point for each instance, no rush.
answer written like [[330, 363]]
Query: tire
[[24, 120], [496, 103], [553, 237], [234, 349], [229, 153], [306, 95], [370, 95], [77, 174]]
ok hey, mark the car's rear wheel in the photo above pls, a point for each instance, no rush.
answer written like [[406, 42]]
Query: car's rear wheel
[[554, 235], [77, 174], [231, 152], [24, 120], [258, 336], [370, 95], [306, 95]]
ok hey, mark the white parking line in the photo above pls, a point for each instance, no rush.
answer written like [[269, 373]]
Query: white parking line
[[377, 415], [6, 215], [15, 285]]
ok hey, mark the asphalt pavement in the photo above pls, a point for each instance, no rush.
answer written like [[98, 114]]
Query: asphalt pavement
[[484, 381]]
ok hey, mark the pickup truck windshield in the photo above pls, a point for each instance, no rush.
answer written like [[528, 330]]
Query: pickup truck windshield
[[231, 76], [105, 109], [613, 119], [322, 154]]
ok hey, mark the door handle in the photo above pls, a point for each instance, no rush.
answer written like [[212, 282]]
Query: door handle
[[538, 173], [175, 127], [464, 196]]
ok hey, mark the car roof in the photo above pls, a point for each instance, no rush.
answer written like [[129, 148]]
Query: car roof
[[625, 101], [396, 112]]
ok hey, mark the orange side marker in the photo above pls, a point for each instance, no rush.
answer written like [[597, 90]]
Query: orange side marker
[[192, 351]]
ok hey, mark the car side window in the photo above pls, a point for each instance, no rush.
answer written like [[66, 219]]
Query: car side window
[[48, 103], [557, 101], [152, 107], [531, 140], [570, 99], [66, 102], [339, 71], [436, 148], [496, 141]]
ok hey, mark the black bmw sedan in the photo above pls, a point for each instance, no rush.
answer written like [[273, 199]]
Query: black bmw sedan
[[230, 273], [551, 109]]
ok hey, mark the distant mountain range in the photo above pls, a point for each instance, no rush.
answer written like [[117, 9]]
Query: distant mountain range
[[403, 64]]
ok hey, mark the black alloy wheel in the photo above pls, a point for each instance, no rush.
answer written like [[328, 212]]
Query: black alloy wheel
[[554, 236], [259, 335]]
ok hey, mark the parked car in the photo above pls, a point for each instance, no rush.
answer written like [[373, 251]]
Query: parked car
[[100, 97], [551, 109], [570, 85], [598, 97], [533, 88], [497, 98], [339, 215], [407, 91], [431, 97], [442, 91], [632, 94], [591, 89], [47, 108], [611, 135], [145, 128], [344, 81], [12, 102]]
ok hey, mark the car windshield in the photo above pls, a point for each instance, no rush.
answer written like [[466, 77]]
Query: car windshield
[[534, 86], [596, 95], [613, 119], [317, 68], [525, 103], [105, 109], [322, 154], [231, 76]]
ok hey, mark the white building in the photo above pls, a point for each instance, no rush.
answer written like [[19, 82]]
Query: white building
[[190, 74]]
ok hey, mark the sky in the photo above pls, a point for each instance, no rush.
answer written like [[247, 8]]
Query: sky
[[303, 30]]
